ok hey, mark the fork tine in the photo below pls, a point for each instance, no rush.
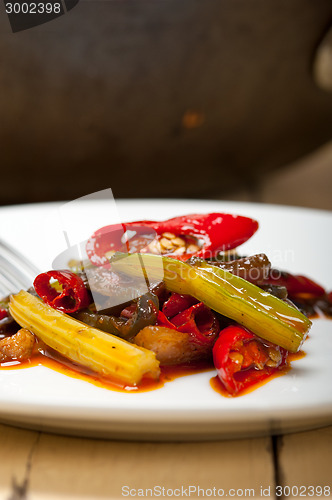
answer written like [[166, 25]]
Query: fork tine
[[17, 258], [12, 276], [4, 287], [16, 271], [8, 283]]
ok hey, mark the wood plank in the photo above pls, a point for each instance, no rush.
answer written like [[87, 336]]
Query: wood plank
[[305, 460], [16, 451], [64, 467]]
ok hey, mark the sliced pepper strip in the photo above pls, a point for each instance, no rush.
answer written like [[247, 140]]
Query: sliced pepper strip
[[241, 358], [132, 319], [216, 232], [177, 303], [71, 298], [200, 322], [197, 320]]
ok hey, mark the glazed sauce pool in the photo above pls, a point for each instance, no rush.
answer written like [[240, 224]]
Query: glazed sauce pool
[[45, 356], [217, 385]]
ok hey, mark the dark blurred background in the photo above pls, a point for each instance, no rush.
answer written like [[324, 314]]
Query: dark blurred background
[[168, 98]]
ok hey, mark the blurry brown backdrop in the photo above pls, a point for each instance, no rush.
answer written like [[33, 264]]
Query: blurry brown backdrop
[[171, 98]]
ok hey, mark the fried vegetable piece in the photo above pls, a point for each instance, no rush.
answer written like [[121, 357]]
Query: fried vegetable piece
[[171, 346], [262, 313], [103, 353], [17, 347]]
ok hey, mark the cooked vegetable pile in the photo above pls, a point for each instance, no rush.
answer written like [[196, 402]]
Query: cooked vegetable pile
[[198, 301]]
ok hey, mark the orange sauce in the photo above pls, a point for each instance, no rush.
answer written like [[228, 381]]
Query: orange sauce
[[49, 358], [218, 386], [54, 361], [45, 356]]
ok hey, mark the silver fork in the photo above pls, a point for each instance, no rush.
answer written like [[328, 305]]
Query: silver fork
[[16, 271]]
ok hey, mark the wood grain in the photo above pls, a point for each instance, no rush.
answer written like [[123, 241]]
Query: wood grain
[[305, 459], [53, 467], [99, 469], [39, 466], [16, 451]]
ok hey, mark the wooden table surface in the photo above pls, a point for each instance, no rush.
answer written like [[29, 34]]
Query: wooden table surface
[[41, 466]]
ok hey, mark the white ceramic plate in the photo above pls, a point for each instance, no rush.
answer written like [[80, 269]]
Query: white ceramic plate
[[295, 239]]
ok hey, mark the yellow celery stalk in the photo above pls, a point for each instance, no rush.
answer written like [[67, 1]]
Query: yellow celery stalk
[[103, 353]]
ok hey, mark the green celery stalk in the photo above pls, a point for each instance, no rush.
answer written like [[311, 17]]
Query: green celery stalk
[[265, 315]]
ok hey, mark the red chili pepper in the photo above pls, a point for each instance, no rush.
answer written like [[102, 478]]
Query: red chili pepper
[[73, 295], [296, 285], [215, 232], [162, 320], [3, 314], [177, 303], [329, 297], [127, 238], [129, 311], [240, 358], [198, 320]]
